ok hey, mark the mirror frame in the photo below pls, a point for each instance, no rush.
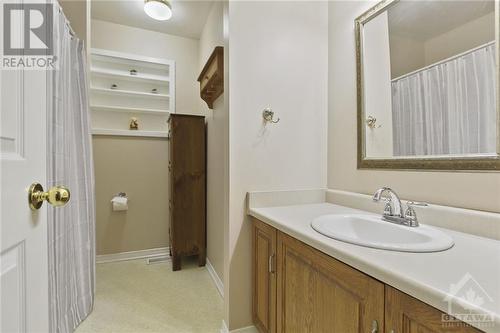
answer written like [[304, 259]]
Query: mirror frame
[[439, 163]]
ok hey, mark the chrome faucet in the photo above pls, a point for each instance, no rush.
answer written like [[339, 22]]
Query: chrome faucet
[[393, 205], [393, 210]]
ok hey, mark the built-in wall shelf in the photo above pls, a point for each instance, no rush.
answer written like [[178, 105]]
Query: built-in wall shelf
[[128, 93], [110, 108], [129, 88], [116, 132], [123, 75]]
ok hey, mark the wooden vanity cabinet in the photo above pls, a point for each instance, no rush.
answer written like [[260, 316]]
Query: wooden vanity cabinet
[[405, 314], [317, 293], [298, 289], [264, 277]]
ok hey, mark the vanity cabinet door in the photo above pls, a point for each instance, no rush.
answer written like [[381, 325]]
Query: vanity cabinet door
[[405, 314], [264, 277], [319, 294]]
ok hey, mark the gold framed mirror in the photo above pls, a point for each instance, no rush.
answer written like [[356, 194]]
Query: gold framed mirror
[[428, 85]]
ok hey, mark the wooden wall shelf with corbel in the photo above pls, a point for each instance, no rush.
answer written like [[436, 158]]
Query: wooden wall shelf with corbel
[[212, 77]]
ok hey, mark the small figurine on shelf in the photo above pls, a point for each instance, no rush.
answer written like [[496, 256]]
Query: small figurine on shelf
[[114, 86], [134, 123], [154, 91], [133, 72]]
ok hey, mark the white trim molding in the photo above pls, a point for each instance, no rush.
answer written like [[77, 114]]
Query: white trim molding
[[248, 329], [141, 254], [215, 277], [224, 328]]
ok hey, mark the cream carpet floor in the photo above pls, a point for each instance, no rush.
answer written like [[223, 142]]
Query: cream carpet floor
[[132, 296]]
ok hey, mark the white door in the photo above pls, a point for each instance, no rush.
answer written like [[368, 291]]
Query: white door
[[23, 243]]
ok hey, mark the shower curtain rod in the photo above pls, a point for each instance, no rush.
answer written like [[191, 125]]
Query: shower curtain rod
[[444, 60]]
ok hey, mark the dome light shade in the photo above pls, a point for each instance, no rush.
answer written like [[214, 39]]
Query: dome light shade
[[158, 9]]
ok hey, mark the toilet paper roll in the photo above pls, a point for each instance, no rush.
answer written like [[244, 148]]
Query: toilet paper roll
[[119, 203]]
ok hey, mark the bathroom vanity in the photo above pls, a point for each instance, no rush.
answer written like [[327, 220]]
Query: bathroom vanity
[[304, 281], [297, 288]]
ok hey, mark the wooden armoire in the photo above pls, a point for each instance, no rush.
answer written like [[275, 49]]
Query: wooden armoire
[[187, 202]]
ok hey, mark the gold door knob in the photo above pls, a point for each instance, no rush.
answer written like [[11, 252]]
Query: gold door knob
[[57, 196]]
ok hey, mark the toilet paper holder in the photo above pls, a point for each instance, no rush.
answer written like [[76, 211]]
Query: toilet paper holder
[[119, 202]]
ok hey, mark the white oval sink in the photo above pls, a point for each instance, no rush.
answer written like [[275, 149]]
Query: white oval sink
[[372, 231]]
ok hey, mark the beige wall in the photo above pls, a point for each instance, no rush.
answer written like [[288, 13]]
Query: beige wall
[[77, 14], [278, 59], [184, 51], [472, 34], [460, 189], [217, 145], [408, 54], [377, 76], [138, 167]]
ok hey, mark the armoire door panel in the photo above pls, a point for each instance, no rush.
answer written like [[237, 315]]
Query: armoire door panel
[[187, 202]]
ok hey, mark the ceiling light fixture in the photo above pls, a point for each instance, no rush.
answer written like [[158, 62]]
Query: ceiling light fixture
[[160, 10]]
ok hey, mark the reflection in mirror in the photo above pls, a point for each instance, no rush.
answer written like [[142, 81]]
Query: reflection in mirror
[[429, 77]]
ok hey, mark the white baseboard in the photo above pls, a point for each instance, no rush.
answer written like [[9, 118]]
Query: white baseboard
[[224, 328], [149, 253], [215, 277], [249, 329]]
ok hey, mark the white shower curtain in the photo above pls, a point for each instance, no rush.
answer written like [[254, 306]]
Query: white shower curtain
[[447, 109], [71, 228]]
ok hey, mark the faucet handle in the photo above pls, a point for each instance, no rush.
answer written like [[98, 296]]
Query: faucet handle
[[417, 203], [388, 207], [411, 215]]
